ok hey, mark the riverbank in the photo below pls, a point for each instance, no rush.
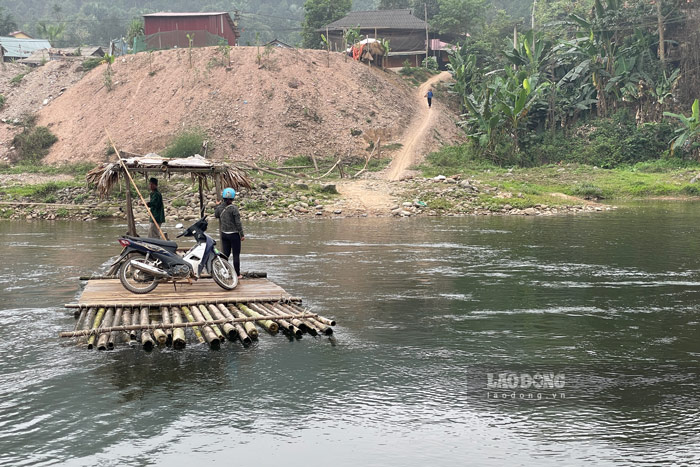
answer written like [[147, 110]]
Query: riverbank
[[553, 190]]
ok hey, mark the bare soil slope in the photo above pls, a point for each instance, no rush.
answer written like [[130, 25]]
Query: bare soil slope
[[290, 104]]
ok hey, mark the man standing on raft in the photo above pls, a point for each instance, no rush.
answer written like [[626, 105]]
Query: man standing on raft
[[230, 228]]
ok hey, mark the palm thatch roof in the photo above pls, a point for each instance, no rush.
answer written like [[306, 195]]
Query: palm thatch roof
[[107, 176]]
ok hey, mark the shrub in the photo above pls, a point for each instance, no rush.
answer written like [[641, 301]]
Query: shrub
[[61, 212], [6, 213], [186, 144], [178, 203], [90, 63], [2, 101], [32, 143], [587, 191], [298, 160], [17, 79], [430, 63]]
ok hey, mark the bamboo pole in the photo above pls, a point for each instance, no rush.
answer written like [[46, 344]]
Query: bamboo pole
[[135, 321], [95, 325], [126, 319], [321, 325], [190, 318], [284, 324], [326, 321], [208, 317], [256, 317], [269, 326], [229, 328], [243, 299], [165, 313], [303, 324], [121, 161], [242, 333], [295, 321], [179, 341], [81, 319], [159, 334], [106, 323], [89, 318], [114, 334], [208, 332], [146, 339], [248, 326]]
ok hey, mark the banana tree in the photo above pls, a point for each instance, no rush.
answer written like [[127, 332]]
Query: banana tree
[[515, 103], [689, 131]]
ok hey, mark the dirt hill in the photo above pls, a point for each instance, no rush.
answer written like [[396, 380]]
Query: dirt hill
[[291, 103]]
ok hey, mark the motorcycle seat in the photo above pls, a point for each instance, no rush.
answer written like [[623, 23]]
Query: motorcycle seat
[[155, 241]]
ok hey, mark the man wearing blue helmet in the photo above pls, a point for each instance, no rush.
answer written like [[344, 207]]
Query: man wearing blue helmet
[[230, 227]]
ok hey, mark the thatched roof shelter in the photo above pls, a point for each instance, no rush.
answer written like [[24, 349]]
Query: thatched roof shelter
[[204, 171]]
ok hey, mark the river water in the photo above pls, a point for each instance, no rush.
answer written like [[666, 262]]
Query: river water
[[442, 325]]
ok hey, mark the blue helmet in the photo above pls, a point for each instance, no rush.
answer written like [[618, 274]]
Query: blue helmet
[[228, 193]]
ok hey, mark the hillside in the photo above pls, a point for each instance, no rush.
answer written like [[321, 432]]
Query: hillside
[[292, 104]]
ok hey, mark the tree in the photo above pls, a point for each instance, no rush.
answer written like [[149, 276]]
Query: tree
[[7, 23], [459, 16], [52, 32], [134, 30], [317, 14]]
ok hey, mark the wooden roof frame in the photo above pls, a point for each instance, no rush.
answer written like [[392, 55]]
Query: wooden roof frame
[[109, 175]]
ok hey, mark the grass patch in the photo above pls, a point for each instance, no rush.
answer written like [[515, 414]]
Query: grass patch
[[6, 213], [392, 147], [33, 143], [40, 191], [179, 203], [186, 144], [78, 170], [90, 63], [255, 206], [298, 160], [439, 204], [61, 212], [17, 79], [100, 213]]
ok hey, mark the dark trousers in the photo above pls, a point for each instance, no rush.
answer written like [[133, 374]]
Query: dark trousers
[[430, 101], [229, 243]]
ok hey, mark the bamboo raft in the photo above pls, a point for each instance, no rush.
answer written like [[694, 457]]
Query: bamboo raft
[[171, 316]]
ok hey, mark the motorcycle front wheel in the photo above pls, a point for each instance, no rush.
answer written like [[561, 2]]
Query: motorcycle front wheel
[[223, 273], [135, 280]]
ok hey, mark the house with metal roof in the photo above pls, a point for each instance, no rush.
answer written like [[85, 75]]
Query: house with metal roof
[[16, 49], [406, 33], [167, 30]]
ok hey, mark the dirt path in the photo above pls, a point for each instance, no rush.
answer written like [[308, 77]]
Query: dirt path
[[417, 132], [374, 195]]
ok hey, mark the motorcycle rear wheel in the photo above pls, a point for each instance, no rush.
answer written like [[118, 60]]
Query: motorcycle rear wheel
[[134, 280], [223, 273]]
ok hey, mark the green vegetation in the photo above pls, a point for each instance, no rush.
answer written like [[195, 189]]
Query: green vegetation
[[17, 79], [536, 185], [318, 13], [62, 212], [33, 142], [90, 63], [187, 143], [2, 101], [100, 213], [6, 213], [79, 170], [415, 75], [178, 203], [40, 192]]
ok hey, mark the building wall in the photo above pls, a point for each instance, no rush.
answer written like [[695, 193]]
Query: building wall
[[214, 24]]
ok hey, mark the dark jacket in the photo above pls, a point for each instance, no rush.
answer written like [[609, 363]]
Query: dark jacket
[[230, 219], [156, 206]]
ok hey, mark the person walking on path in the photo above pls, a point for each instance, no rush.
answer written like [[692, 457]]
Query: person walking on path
[[230, 228], [156, 206], [429, 95]]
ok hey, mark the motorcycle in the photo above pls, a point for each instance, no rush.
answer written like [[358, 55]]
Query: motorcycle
[[146, 262]]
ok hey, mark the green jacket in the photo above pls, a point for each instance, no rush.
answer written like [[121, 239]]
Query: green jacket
[[156, 205]]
